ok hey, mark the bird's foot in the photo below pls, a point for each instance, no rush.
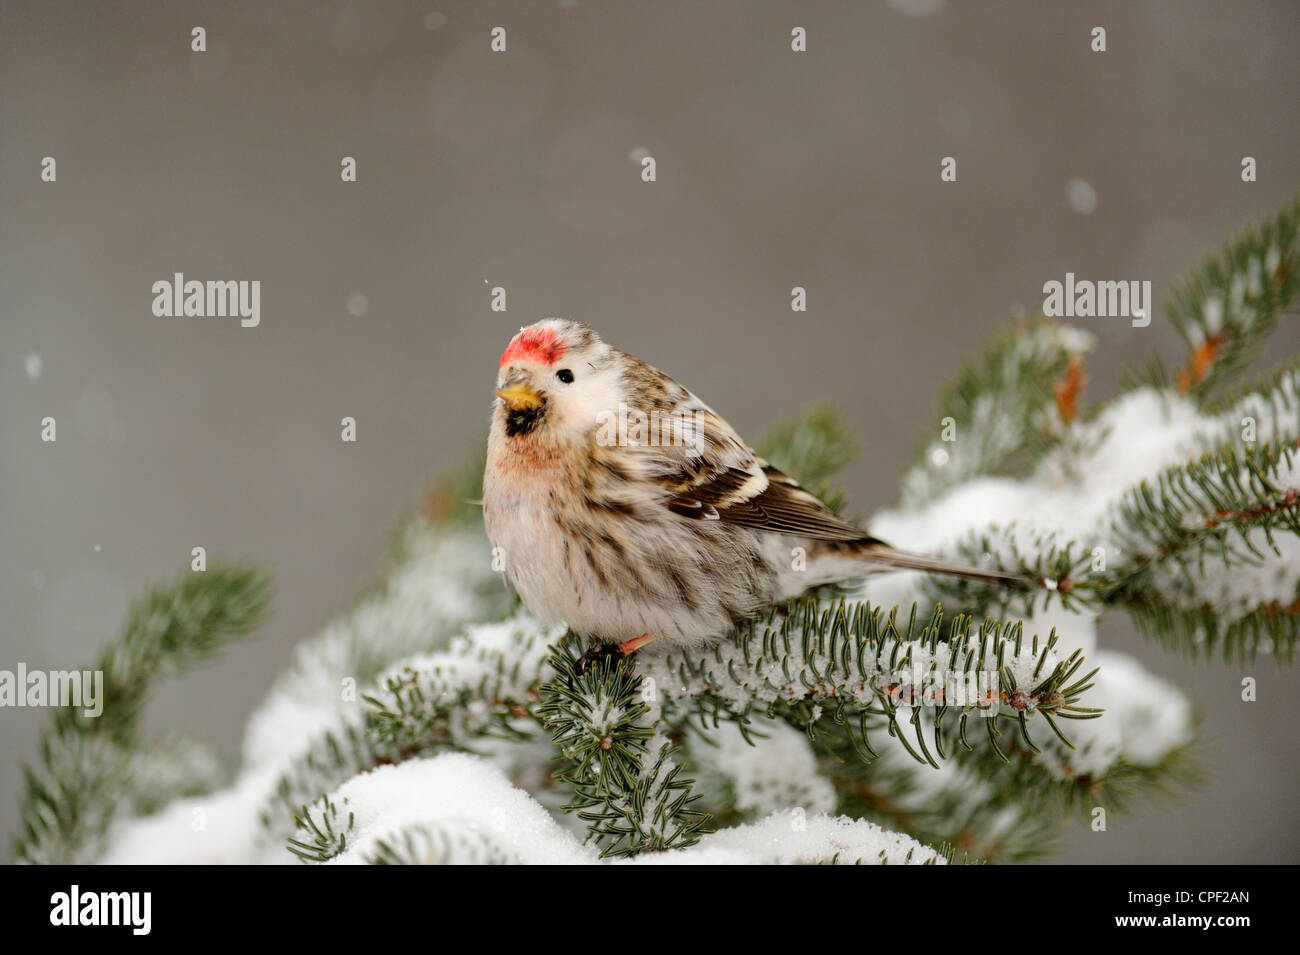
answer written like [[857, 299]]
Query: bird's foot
[[597, 654], [605, 651], [635, 644]]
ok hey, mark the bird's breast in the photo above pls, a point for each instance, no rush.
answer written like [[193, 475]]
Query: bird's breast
[[525, 457]]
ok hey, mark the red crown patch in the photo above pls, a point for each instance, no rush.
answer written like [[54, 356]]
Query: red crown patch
[[541, 345]]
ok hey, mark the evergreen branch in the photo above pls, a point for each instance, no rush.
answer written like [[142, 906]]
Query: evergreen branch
[[324, 829], [1127, 784], [1177, 616], [1053, 788], [851, 661], [812, 451], [962, 808], [334, 757], [173, 630], [1264, 412], [1187, 537], [1205, 556], [1014, 819], [432, 592], [625, 784], [479, 690], [70, 798], [1225, 309], [1058, 568], [745, 772], [1007, 409], [421, 709], [1203, 506], [1009, 809], [174, 767], [430, 843], [86, 765], [457, 498], [1205, 628]]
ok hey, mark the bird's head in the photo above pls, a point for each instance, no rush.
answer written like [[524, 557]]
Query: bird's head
[[555, 379]]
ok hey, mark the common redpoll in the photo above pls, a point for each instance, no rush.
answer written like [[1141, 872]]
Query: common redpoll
[[621, 504]]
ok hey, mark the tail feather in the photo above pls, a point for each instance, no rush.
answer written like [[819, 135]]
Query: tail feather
[[884, 554]]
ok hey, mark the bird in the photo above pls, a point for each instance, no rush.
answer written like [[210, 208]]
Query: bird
[[620, 504]]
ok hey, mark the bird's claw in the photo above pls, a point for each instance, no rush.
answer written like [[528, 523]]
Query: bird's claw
[[597, 654]]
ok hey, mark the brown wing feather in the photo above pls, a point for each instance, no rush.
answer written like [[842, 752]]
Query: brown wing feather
[[726, 481], [782, 507]]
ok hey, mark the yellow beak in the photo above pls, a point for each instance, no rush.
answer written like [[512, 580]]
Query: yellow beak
[[519, 397]]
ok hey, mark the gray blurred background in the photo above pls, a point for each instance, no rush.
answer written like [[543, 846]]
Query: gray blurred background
[[775, 169]]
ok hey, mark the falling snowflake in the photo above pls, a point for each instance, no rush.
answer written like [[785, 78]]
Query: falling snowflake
[[1081, 196], [918, 8]]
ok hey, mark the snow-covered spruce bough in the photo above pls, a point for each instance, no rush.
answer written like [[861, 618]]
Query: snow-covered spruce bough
[[435, 721]]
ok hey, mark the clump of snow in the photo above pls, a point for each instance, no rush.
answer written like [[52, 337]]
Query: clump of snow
[[229, 820], [1074, 340], [957, 790], [464, 792], [1252, 581], [219, 828], [1072, 495], [777, 771], [432, 592], [489, 666], [508, 652], [1272, 415], [469, 795], [796, 837], [1145, 720], [997, 422]]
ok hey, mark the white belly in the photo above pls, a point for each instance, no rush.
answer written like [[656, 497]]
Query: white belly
[[561, 579]]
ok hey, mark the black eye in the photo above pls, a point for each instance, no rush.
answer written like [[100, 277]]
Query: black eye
[[565, 376]]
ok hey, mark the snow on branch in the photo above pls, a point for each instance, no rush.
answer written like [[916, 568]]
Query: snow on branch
[[831, 730], [853, 661], [1176, 515], [90, 768], [458, 808], [478, 689], [438, 584], [1002, 412], [1226, 308]]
